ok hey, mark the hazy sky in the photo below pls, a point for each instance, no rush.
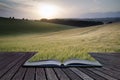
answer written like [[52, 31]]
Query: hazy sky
[[66, 8]]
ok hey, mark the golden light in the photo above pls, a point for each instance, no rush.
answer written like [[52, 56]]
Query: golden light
[[48, 11]]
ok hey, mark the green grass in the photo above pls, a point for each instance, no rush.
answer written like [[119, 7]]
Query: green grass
[[18, 27], [65, 42]]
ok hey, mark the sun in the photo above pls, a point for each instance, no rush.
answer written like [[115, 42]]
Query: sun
[[48, 11]]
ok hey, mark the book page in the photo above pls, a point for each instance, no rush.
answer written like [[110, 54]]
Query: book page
[[43, 63], [79, 62]]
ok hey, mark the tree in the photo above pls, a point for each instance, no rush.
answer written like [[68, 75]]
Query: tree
[[13, 18]]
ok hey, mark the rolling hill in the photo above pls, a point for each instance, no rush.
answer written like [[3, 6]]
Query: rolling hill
[[15, 27], [59, 42]]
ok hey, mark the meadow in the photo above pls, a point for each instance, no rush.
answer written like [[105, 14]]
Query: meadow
[[55, 41]]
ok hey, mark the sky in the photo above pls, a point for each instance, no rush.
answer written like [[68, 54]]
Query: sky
[[65, 8]]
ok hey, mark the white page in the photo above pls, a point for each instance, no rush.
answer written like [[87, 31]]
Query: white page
[[81, 62], [43, 63]]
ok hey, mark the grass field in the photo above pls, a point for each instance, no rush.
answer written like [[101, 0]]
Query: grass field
[[53, 41], [19, 27]]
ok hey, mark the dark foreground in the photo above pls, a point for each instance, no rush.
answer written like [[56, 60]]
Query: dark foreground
[[11, 69]]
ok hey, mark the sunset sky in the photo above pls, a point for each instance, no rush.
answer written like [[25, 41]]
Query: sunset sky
[[37, 9]]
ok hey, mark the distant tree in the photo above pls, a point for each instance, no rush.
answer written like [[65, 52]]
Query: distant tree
[[43, 19], [13, 18], [10, 17], [26, 19], [109, 22]]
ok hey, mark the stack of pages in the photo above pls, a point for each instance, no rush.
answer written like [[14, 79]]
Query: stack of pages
[[68, 63]]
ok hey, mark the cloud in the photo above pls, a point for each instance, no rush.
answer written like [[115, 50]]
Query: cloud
[[4, 6], [18, 3], [95, 0], [30, 8], [5, 9]]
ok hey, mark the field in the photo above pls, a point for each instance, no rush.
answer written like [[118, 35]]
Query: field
[[53, 41]]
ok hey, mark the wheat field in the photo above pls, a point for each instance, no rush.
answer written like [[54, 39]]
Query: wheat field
[[61, 42]]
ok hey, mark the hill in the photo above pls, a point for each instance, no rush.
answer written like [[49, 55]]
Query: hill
[[17, 26], [74, 22], [65, 43]]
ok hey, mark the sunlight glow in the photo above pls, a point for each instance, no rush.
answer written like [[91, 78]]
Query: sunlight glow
[[48, 11]]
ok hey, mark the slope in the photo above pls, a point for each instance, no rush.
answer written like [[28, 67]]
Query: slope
[[66, 44], [18, 27]]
